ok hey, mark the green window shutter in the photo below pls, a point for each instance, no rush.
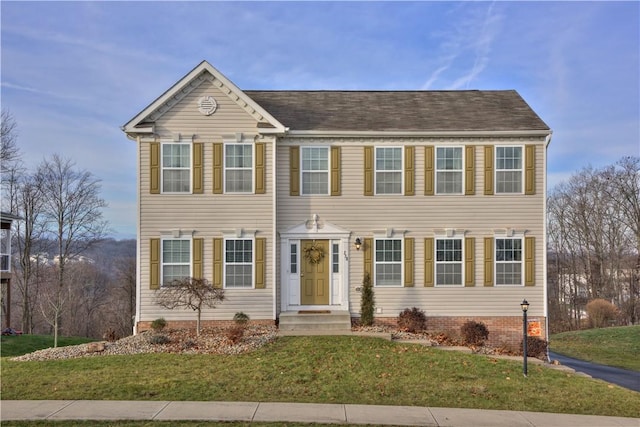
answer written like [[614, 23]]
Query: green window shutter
[[488, 261], [261, 246], [217, 263], [154, 163], [154, 262], [368, 249], [294, 171], [409, 244], [530, 169], [488, 170], [198, 248], [409, 171], [218, 161], [469, 261], [260, 170], [469, 170], [335, 171], [529, 261], [368, 171], [428, 261], [429, 181], [198, 156]]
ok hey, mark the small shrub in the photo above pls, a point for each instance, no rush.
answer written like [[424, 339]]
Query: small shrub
[[159, 324], [474, 333], [110, 335], [536, 347], [235, 334], [188, 344], [412, 320], [601, 313], [159, 339], [367, 302], [240, 318]]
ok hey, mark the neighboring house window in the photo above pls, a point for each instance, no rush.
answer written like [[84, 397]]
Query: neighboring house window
[[388, 170], [176, 259], [335, 258], [509, 261], [449, 170], [238, 263], [508, 169], [238, 168], [449, 262], [176, 168], [294, 258], [388, 262], [5, 250], [315, 170]]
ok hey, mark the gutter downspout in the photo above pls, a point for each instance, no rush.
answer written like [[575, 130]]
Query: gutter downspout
[[544, 248], [274, 243]]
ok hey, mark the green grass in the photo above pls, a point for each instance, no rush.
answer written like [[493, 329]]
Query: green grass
[[335, 369], [616, 346], [16, 345]]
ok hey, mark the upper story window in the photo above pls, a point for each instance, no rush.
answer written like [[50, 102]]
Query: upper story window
[[238, 263], [5, 250], [176, 259], [449, 170], [315, 170], [388, 262], [508, 169], [238, 168], [509, 261], [388, 172], [176, 168], [449, 262]]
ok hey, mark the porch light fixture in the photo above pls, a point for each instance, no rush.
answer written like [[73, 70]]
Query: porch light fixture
[[525, 307], [358, 243]]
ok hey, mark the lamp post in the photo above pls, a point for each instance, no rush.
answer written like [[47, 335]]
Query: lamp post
[[525, 306]]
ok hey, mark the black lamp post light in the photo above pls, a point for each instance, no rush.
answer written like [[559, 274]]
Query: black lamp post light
[[525, 307]]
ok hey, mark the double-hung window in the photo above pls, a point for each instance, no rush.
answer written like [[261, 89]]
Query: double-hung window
[[315, 170], [509, 169], [388, 170], [509, 261], [449, 262], [238, 263], [238, 168], [449, 170], [176, 260], [176, 168], [388, 262]]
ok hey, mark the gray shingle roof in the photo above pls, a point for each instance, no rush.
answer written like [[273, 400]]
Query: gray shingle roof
[[468, 110]]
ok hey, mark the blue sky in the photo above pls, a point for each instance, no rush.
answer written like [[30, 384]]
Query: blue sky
[[72, 73]]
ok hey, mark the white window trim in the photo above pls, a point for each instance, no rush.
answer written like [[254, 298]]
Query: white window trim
[[302, 170], [162, 167], [510, 235], [462, 170], [435, 252], [389, 236], [496, 170], [162, 263], [375, 171], [224, 166], [239, 236]]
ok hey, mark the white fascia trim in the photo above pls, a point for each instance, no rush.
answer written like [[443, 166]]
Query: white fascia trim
[[334, 134], [138, 242]]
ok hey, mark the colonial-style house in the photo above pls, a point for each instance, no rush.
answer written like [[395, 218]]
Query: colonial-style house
[[286, 199]]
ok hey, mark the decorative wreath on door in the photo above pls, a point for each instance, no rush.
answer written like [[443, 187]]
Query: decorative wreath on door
[[314, 253]]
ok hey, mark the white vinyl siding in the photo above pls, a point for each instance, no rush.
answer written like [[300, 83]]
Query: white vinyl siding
[[509, 259], [315, 170], [509, 170], [176, 168], [176, 260], [449, 262], [449, 170], [238, 263], [388, 262], [238, 168], [388, 170]]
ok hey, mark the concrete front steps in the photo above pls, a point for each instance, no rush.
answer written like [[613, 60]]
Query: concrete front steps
[[315, 322]]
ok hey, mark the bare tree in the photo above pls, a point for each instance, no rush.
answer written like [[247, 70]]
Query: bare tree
[[192, 293], [73, 211], [9, 151]]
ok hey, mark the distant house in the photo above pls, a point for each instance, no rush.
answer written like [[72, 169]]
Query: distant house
[[6, 219], [287, 198]]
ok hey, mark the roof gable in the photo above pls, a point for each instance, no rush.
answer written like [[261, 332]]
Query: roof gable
[[143, 121]]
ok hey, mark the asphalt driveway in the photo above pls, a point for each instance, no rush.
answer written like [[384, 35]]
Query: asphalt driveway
[[622, 377]]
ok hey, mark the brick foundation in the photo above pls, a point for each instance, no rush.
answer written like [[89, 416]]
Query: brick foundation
[[191, 324]]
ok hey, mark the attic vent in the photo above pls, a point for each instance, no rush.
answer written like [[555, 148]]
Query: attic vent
[[207, 105]]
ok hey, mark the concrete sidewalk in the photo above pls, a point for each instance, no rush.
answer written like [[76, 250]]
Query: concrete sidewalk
[[293, 412]]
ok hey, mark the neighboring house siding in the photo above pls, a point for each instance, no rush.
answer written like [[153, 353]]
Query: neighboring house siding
[[419, 215]]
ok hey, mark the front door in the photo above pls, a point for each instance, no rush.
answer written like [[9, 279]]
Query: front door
[[314, 275]]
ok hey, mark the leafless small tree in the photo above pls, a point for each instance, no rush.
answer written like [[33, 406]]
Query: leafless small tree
[[192, 293]]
